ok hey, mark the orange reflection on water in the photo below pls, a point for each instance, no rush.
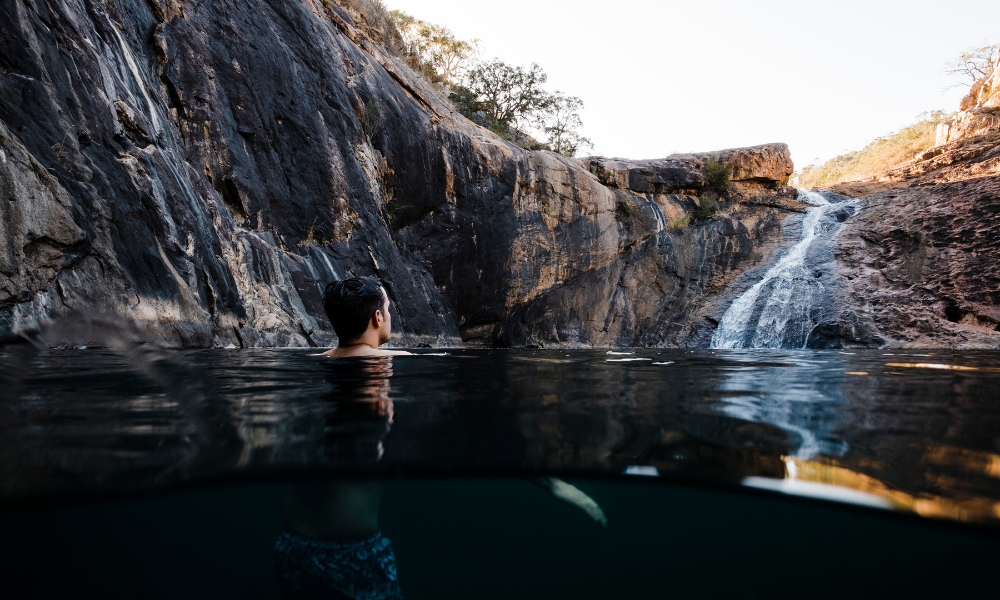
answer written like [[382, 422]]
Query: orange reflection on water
[[986, 463], [972, 509], [942, 367]]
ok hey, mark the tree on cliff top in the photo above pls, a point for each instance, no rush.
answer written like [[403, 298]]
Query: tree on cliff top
[[504, 98], [509, 96], [975, 64], [560, 121]]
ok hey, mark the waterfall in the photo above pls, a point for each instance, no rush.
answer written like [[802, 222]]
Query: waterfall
[[781, 310]]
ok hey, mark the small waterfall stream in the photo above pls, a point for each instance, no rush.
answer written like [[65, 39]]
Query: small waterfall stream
[[782, 309]]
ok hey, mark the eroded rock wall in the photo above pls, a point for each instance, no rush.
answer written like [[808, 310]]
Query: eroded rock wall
[[205, 168], [979, 112], [919, 259]]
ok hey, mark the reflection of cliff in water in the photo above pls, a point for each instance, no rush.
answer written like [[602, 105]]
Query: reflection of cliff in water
[[713, 417]]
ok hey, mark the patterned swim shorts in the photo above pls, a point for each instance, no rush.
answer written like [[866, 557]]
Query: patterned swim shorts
[[313, 568]]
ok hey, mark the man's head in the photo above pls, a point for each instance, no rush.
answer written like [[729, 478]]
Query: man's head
[[357, 306]]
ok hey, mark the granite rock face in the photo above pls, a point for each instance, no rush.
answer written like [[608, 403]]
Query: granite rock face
[[767, 167], [967, 123], [919, 259], [205, 168], [667, 292], [979, 112]]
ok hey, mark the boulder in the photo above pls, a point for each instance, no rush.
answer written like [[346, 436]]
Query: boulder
[[968, 123], [657, 176], [768, 163]]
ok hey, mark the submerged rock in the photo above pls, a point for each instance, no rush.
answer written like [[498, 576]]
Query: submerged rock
[[205, 169]]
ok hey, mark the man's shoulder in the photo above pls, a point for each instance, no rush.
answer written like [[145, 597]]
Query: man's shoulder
[[355, 352]]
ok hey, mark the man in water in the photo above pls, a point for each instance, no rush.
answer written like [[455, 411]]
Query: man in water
[[358, 309], [332, 546]]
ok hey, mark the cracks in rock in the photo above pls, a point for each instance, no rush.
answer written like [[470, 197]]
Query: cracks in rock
[[210, 294], [234, 201], [307, 334]]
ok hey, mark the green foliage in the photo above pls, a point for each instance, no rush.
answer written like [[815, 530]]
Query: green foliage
[[504, 98], [717, 176], [624, 209], [876, 158], [511, 97], [560, 121], [508, 95], [681, 222], [709, 204], [465, 100]]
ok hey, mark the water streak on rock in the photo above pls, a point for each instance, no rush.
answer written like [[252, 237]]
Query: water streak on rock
[[783, 308]]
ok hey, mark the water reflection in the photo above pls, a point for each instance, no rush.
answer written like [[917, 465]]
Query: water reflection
[[798, 399], [332, 546], [85, 421]]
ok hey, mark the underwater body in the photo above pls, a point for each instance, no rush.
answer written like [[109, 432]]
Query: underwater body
[[167, 475]]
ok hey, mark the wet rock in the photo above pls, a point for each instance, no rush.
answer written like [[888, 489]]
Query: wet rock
[[665, 294], [206, 169], [39, 235]]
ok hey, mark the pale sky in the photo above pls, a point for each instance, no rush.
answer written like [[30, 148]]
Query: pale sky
[[685, 76]]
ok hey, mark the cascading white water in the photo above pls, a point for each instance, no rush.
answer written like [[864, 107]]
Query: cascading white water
[[780, 310]]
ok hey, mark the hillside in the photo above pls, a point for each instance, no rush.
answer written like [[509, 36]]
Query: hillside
[[885, 153], [919, 258], [979, 112]]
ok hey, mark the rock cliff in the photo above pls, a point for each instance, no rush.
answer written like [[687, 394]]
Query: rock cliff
[[919, 260], [205, 168], [979, 111]]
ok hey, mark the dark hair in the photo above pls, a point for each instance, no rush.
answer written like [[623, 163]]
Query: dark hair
[[350, 305]]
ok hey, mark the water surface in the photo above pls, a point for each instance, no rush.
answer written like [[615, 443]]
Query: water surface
[[910, 432]]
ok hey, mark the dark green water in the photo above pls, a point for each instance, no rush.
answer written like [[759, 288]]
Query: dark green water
[[505, 538], [145, 473]]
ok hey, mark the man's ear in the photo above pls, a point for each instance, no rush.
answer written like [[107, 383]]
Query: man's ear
[[378, 317]]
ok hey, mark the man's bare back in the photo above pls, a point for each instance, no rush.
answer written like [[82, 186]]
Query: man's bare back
[[360, 350]]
